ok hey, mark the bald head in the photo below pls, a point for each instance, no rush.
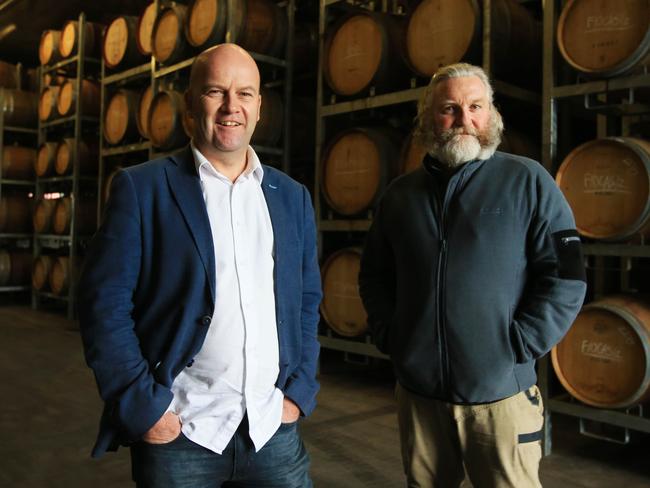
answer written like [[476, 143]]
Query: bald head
[[219, 55]]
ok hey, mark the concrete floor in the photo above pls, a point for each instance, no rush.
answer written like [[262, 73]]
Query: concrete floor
[[50, 410]]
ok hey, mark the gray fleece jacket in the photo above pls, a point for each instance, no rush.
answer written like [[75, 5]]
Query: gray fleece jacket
[[467, 283]]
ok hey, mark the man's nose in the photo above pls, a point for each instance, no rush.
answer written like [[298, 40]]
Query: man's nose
[[229, 103], [463, 118]]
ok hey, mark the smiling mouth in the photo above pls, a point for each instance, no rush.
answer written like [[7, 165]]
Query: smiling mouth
[[229, 123]]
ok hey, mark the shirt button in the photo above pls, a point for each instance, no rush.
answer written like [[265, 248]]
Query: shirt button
[[206, 319]]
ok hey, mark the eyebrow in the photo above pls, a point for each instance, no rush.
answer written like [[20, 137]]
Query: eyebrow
[[221, 87]]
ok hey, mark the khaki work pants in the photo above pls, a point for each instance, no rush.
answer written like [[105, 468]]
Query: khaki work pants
[[497, 444]]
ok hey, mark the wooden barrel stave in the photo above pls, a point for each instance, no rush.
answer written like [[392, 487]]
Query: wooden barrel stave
[[86, 157], [341, 307], [15, 268], [48, 49], [168, 40], [269, 128], [166, 120], [120, 115], [90, 98], [41, 272], [607, 184], [69, 42], [144, 29], [47, 103], [18, 162], [205, 24], [605, 38], [142, 115], [20, 108], [260, 26], [120, 47], [15, 212], [604, 360], [44, 164], [8, 75], [357, 165], [85, 215], [59, 276], [42, 218]]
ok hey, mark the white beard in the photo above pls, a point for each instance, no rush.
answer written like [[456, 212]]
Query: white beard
[[459, 150]]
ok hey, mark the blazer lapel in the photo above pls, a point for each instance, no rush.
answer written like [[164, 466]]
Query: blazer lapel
[[185, 186]]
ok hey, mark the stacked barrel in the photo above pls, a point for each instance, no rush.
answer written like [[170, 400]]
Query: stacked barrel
[[66, 160], [18, 117], [604, 359], [383, 59]]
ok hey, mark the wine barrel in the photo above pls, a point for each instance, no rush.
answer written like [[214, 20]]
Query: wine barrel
[[604, 360], [517, 142], [605, 38], [364, 50], [84, 216], [44, 165], [8, 75], [144, 29], [15, 211], [341, 307], [41, 272], [20, 108], [165, 120], [15, 268], [18, 162], [269, 128], [47, 103], [120, 117], [120, 43], [69, 43], [607, 184], [357, 165], [411, 154], [441, 32], [52, 79], [86, 157], [48, 49], [59, 276], [142, 115], [168, 42], [205, 23], [260, 26], [42, 218], [90, 98]]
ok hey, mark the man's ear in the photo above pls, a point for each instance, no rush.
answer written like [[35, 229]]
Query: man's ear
[[259, 108]]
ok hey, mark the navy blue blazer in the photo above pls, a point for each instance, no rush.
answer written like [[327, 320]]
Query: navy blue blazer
[[146, 292]]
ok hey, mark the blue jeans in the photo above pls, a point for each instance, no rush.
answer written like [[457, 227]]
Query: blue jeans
[[283, 462]]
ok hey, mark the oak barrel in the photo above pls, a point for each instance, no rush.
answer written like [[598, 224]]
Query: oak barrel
[[86, 157], [341, 307], [168, 42], [84, 216], [48, 49], [18, 162], [41, 272], [8, 75], [15, 212], [411, 155], [59, 277], [517, 142], [607, 184], [42, 217], [120, 116], [120, 43], [20, 108], [15, 268], [604, 360], [90, 98], [144, 30], [260, 26], [166, 120], [357, 165], [364, 50], [44, 164], [142, 115], [69, 43], [605, 38], [269, 128], [47, 103], [205, 23], [52, 79]]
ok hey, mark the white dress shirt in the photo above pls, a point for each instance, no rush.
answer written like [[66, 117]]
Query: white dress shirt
[[236, 369]]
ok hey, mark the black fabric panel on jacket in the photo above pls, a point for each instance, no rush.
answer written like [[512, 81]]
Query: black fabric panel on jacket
[[569, 255], [532, 437]]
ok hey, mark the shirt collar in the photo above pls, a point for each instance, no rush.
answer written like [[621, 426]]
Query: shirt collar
[[253, 164]]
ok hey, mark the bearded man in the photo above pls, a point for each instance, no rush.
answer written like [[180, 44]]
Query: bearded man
[[472, 270]]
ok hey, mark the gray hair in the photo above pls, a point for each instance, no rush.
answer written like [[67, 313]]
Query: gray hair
[[424, 118]]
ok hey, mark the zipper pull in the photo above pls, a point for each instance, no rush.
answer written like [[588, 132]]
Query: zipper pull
[[566, 240], [443, 245]]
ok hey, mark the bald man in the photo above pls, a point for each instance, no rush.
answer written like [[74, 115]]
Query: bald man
[[199, 299]]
